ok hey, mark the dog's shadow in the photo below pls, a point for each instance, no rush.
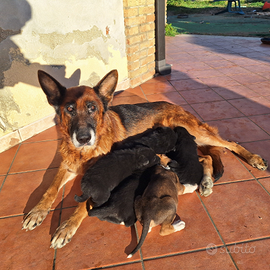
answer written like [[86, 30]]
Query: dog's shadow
[[133, 240]]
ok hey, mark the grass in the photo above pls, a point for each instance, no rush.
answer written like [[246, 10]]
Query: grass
[[196, 17], [202, 6], [170, 30]]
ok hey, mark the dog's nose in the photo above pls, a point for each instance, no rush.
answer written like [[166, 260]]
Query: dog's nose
[[83, 138]]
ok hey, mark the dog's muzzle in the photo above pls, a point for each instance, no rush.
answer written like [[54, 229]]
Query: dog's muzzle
[[84, 138]]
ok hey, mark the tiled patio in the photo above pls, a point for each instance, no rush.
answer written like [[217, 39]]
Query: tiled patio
[[225, 82]]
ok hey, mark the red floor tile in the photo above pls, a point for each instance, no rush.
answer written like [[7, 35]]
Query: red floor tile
[[177, 75], [258, 68], [239, 130], [237, 212], [195, 260], [263, 121], [251, 78], [189, 84], [195, 66], [21, 192], [205, 73], [156, 88], [172, 97], [235, 91], [266, 75], [234, 70], [252, 255], [6, 159], [216, 110], [198, 233], [266, 183], [200, 96], [2, 178], [219, 81], [221, 64], [96, 244], [36, 156], [26, 250], [252, 106], [260, 88], [209, 57]]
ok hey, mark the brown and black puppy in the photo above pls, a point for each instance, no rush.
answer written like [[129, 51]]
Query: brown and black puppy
[[158, 204]]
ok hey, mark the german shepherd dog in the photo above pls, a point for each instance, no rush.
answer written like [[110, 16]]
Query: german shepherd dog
[[90, 127]]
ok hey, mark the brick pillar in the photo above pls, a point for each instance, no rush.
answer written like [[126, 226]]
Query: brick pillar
[[139, 16]]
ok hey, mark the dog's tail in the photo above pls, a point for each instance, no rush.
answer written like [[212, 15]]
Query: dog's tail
[[146, 226], [82, 198], [214, 152]]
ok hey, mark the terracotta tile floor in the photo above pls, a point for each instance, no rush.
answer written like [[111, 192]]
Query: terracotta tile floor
[[223, 81]]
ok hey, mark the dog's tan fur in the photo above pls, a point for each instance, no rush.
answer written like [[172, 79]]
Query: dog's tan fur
[[109, 128]]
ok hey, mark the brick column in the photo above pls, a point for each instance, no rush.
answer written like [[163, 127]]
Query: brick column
[[139, 16]]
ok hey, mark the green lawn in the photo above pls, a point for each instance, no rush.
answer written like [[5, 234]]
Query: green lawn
[[200, 6], [201, 19]]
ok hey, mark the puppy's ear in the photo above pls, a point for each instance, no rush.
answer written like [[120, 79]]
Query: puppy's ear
[[52, 88], [106, 87]]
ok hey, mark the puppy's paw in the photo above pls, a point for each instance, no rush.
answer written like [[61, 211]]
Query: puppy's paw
[[34, 218], [206, 186], [179, 225], [258, 162], [63, 234]]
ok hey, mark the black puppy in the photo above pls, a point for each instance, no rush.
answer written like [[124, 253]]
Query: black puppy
[[119, 208], [185, 162], [100, 179]]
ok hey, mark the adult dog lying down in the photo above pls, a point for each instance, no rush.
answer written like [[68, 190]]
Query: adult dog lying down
[[90, 127]]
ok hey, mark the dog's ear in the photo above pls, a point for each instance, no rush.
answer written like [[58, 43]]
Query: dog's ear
[[106, 87], [52, 88]]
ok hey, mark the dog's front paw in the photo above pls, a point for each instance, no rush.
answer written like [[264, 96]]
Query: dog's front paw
[[206, 186], [63, 234], [258, 162], [34, 218]]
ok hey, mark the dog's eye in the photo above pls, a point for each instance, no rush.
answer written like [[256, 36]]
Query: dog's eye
[[91, 107], [70, 108]]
